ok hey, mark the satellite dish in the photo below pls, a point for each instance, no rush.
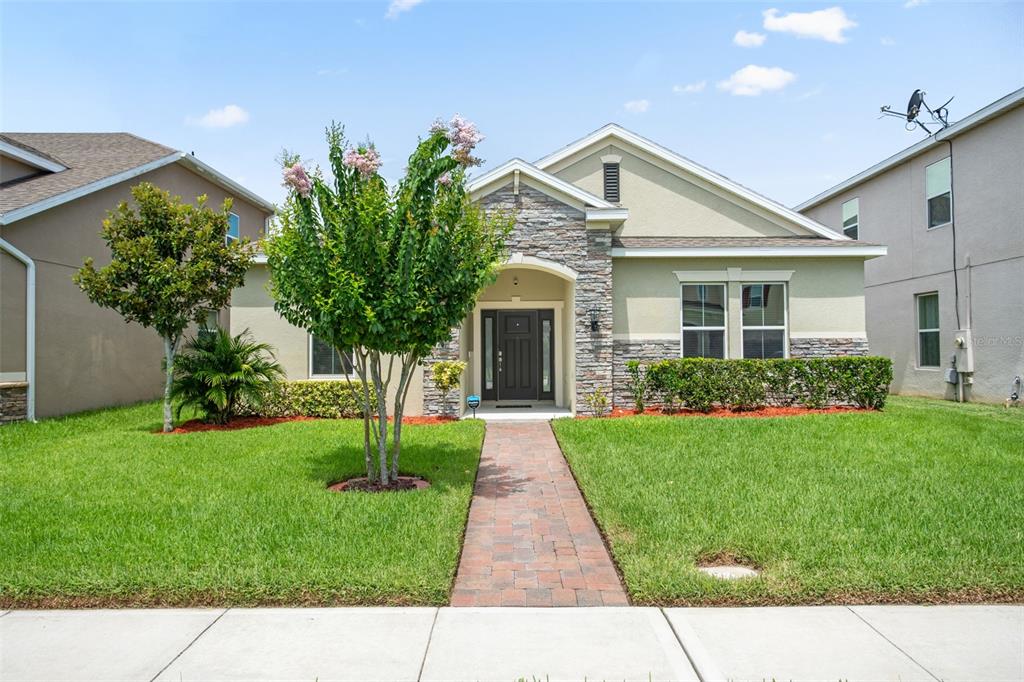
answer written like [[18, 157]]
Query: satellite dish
[[939, 116], [914, 105]]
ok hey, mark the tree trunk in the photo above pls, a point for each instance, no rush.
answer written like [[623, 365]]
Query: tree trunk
[[381, 399], [169, 349], [364, 400], [408, 366]]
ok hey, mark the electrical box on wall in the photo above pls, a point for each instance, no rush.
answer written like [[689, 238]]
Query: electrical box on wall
[[963, 350]]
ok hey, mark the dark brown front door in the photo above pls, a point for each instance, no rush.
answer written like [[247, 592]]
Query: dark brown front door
[[517, 354]]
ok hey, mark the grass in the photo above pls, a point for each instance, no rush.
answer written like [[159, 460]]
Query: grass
[[96, 509], [922, 502]]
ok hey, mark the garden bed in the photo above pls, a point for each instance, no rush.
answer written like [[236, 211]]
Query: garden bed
[[768, 411], [198, 425]]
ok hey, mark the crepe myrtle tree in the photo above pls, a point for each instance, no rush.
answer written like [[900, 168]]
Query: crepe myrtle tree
[[170, 264], [383, 271]]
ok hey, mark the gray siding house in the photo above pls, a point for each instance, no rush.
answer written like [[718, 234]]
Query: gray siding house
[[951, 288]]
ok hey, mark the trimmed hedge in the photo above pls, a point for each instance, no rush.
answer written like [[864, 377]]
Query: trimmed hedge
[[325, 399], [703, 383]]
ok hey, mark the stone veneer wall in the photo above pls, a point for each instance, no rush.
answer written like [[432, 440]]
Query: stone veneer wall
[[827, 347], [547, 228], [13, 401], [433, 399], [644, 351]]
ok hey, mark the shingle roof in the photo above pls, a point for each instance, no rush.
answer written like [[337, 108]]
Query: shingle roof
[[727, 242], [89, 157]]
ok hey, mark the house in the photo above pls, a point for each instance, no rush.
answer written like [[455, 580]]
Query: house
[[59, 352], [622, 249], [951, 289]]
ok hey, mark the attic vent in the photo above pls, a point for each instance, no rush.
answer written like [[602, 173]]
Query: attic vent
[[611, 182]]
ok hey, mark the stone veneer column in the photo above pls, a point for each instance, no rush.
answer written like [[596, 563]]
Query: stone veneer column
[[594, 352], [433, 399]]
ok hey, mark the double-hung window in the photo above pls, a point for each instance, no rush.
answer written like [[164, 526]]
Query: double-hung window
[[851, 218], [704, 320], [938, 181], [234, 227], [928, 330], [764, 320], [326, 361]]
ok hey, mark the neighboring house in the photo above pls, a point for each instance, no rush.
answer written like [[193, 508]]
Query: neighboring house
[[55, 191], [951, 210], [623, 249]]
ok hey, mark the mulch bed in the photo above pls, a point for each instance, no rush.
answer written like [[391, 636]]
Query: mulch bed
[[790, 411], [426, 421], [197, 425], [361, 484]]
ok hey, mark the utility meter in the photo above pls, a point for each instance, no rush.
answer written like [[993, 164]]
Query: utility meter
[[963, 350]]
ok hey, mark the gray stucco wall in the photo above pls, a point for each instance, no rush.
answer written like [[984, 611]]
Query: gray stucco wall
[[988, 201]]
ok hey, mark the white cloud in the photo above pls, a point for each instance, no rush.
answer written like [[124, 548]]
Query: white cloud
[[225, 117], [398, 6], [690, 88], [748, 39], [637, 106], [752, 80], [887, 41], [823, 24]]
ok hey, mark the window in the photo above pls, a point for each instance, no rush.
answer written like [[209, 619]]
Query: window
[[928, 330], [703, 320], [851, 218], [938, 182], [764, 321], [611, 182], [233, 229], [211, 324], [326, 361]]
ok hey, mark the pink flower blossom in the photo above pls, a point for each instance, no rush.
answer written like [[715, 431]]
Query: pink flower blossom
[[464, 136], [366, 160], [445, 179], [295, 177]]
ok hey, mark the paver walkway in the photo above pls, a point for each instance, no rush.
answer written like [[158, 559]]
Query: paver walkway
[[530, 540]]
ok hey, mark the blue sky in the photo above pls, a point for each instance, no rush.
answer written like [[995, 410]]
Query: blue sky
[[237, 81]]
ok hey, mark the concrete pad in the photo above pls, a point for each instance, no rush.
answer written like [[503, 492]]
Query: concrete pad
[[309, 644], [731, 572], [485, 644], [795, 643], [956, 642], [102, 644]]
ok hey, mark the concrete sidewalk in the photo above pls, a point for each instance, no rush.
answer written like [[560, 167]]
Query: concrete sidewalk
[[798, 643]]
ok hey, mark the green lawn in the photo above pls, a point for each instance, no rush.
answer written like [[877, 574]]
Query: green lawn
[[921, 502], [96, 509]]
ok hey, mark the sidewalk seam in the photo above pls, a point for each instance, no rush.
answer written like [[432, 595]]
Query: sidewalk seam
[[189, 645], [426, 649], [700, 661], [894, 645]]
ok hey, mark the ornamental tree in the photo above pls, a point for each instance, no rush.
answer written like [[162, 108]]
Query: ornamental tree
[[384, 272], [170, 263]]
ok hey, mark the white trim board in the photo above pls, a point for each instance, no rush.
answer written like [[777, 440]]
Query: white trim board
[[751, 252], [537, 175], [615, 131], [28, 158]]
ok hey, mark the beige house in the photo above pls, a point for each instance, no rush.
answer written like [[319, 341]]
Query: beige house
[[59, 353], [622, 249], [950, 293]]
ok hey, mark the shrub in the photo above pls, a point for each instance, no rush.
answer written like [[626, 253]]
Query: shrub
[[702, 383], [324, 399], [447, 374], [218, 371], [637, 383], [597, 401]]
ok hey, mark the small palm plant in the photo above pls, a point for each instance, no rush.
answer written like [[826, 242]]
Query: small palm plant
[[218, 371]]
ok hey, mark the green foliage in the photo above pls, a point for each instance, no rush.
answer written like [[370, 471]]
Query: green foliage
[[324, 399], [703, 383], [637, 383], [597, 400], [447, 374], [217, 371]]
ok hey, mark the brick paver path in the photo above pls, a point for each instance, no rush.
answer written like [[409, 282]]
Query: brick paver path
[[530, 540]]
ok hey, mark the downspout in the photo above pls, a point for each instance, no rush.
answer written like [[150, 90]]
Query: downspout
[[30, 324]]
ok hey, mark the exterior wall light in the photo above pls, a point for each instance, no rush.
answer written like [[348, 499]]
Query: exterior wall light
[[593, 319]]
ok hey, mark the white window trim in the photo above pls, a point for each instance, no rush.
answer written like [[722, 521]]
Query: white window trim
[[785, 317], [927, 218], [324, 377], [842, 226], [725, 323], [919, 330], [227, 235]]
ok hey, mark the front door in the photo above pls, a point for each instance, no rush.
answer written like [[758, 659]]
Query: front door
[[512, 351]]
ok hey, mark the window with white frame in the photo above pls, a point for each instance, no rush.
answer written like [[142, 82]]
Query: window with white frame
[[703, 320], [938, 181], [851, 218], [764, 320], [928, 354], [326, 361], [234, 229]]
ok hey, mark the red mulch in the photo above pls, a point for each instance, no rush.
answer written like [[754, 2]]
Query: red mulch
[[421, 421], [791, 411], [196, 425], [361, 484]]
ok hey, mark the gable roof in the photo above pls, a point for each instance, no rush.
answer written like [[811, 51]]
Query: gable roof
[[613, 131], [90, 162], [1000, 106]]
